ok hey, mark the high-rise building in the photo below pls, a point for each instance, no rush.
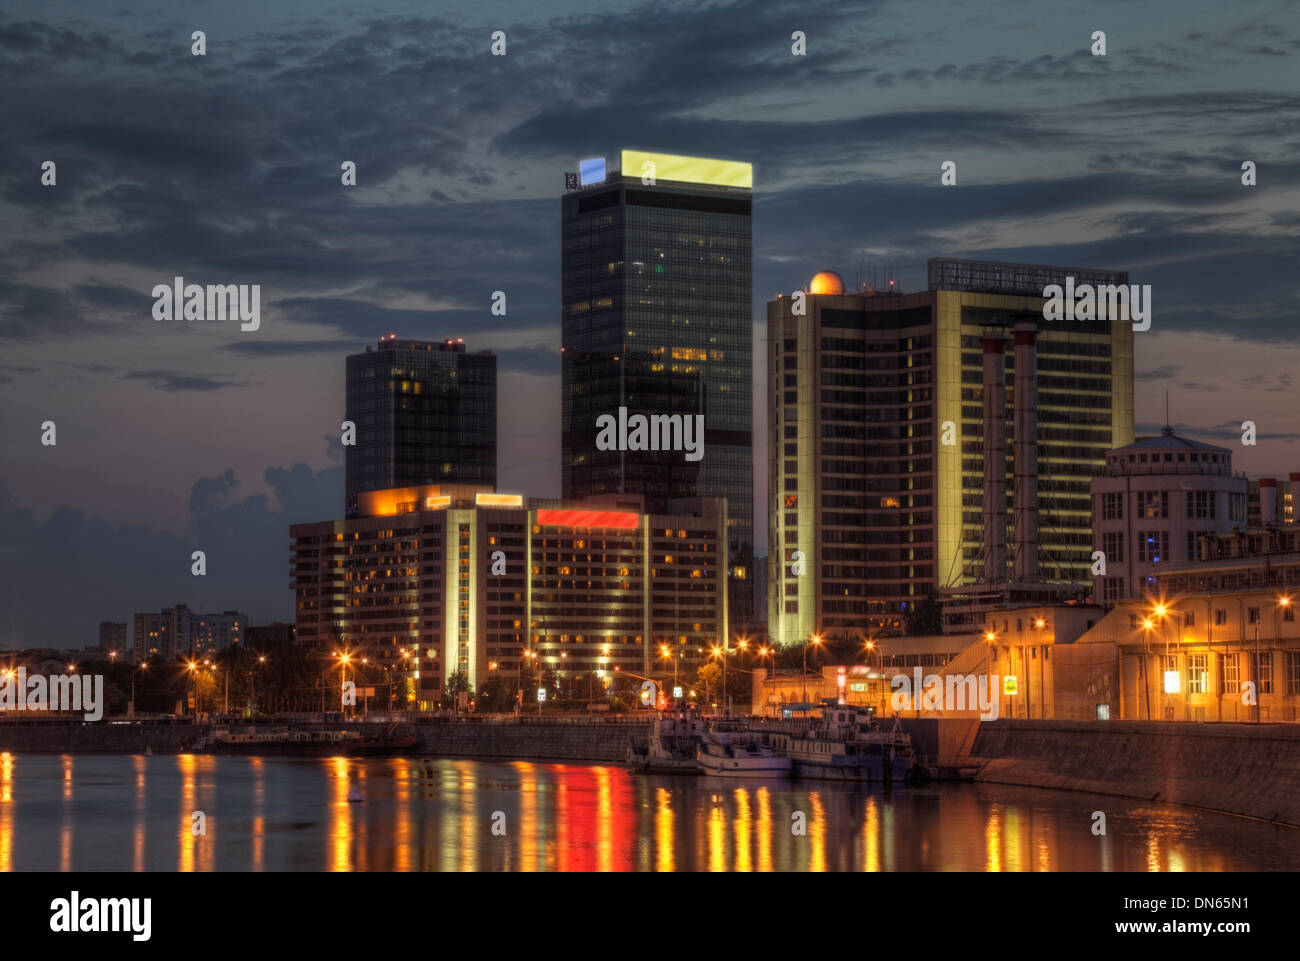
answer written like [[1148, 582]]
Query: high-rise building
[[1157, 498], [425, 413], [876, 436], [177, 631], [658, 320], [447, 580], [112, 636]]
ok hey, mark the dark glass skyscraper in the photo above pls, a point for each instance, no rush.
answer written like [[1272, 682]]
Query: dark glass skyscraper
[[657, 318], [425, 413]]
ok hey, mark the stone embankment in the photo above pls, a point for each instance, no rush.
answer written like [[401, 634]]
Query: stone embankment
[[1245, 769]]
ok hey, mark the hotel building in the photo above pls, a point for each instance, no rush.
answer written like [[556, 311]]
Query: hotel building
[[448, 580], [657, 317], [876, 413]]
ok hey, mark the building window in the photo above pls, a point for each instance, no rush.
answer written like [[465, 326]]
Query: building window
[[1292, 672], [1113, 588], [1153, 504], [1263, 672], [1252, 615], [1189, 618], [1200, 504], [1112, 543], [1112, 507], [1236, 507], [1153, 546], [1229, 674], [1220, 616], [1197, 673]]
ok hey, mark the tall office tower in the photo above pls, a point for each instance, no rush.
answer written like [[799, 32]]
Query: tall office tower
[[425, 413], [658, 319], [876, 420]]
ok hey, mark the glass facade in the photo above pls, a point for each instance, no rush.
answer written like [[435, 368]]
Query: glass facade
[[425, 413], [657, 318]]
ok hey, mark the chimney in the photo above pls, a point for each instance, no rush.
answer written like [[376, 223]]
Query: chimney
[[995, 459], [1026, 452], [1267, 501]]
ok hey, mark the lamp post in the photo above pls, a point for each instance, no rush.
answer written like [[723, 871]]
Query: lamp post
[[814, 640], [990, 638], [1147, 624], [138, 667]]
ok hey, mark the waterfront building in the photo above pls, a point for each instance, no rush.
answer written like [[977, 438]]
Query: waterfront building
[[657, 318], [877, 411], [177, 631], [425, 413], [273, 636], [456, 580], [112, 636], [1157, 497], [1215, 639]]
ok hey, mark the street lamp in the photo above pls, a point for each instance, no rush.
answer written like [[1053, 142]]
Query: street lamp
[[139, 667], [665, 652], [815, 640]]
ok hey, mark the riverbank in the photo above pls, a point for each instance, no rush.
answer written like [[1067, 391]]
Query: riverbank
[[1244, 769]]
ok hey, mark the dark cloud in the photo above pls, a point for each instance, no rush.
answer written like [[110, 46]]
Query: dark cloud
[[119, 569], [179, 380]]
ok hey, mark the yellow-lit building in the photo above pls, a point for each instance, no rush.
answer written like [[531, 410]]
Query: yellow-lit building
[[875, 422], [444, 580]]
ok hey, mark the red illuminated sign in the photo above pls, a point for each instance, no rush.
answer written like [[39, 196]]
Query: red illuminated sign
[[615, 519]]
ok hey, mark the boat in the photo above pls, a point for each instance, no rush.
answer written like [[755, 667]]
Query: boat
[[674, 738], [739, 754], [354, 794], [289, 743], [845, 745]]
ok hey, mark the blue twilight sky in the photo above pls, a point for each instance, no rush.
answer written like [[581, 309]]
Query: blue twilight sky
[[225, 169]]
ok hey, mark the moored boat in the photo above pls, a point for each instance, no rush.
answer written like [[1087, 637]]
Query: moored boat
[[739, 755]]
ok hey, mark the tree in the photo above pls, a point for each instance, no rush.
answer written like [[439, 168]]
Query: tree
[[924, 616], [710, 678]]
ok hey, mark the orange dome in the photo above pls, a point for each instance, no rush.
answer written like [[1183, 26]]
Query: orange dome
[[826, 282]]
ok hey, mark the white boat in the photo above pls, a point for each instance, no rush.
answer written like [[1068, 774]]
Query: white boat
[[673, 742], [739, 755], [844, 745]]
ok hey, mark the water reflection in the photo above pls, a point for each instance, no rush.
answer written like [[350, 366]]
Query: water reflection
[[65, 812]]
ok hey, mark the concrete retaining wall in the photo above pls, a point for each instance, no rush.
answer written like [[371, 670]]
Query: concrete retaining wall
[[596, 741], [94, 738], [1238, 768]]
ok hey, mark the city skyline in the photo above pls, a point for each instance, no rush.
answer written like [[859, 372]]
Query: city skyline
[[177, 437]]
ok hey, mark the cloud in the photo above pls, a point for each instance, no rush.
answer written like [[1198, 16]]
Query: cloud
[[118, 570]]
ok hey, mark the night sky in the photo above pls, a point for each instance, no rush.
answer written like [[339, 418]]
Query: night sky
[[175, 436]]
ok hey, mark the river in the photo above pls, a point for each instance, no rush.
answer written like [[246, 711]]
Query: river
[[136, 813]]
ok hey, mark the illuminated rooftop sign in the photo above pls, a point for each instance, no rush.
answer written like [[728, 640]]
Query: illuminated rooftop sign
[[437, 502], [591, 171], [498, 500], [615, 519], [690, 170]]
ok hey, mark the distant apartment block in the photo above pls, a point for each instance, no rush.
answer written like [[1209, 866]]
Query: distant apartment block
[[112, 636], [177, 631]]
